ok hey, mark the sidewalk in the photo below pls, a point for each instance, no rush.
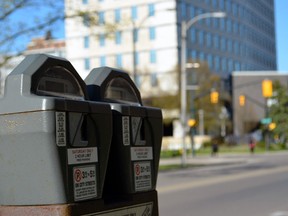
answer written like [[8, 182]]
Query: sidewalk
[[208, 160]]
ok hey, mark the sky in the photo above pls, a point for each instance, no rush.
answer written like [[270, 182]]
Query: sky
[[281, 24]]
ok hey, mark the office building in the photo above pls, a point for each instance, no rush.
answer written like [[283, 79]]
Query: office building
[[146, 40]]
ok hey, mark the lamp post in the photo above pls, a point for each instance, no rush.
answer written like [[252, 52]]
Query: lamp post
[[185, 25]]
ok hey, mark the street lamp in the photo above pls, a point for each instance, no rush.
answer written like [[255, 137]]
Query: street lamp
[[185, 25]]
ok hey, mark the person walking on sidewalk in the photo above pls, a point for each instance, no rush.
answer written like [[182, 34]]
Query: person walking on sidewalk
[[252, 145], [214, 148]]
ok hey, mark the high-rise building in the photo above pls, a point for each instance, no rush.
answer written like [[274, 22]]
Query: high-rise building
[[146, 40], [147, 37]]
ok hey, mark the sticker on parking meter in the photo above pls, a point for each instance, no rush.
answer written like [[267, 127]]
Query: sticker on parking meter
[[126, 130], [60, 128], [142, 176], [84, 183], [82, 155], [141, 153]]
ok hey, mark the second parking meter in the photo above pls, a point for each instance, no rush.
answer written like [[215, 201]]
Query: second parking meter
[[137, 133], [53, 141]]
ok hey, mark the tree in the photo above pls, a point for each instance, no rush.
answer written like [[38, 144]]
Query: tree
[[22, 19], [279, 110]]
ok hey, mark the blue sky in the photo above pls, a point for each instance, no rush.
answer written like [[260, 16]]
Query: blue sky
[[281, 21]]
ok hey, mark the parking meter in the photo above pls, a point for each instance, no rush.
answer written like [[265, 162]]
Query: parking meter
[[137, 133], [53, 141]]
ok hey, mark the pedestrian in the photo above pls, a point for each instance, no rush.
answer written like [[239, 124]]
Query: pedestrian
[[252, 145], [214, 148]]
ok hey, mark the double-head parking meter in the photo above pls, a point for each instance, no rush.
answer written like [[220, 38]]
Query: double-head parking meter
[[137, 133], [64, 151]]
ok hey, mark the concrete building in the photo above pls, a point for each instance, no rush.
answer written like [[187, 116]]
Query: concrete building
[[45, 44], [249, 84]]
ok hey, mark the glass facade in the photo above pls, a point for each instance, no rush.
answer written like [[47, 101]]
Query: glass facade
[[243, 40]]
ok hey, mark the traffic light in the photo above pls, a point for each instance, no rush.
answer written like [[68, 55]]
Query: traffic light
[[191, 122], [272, 126], [267, 88], [214, 97], [242, 100]]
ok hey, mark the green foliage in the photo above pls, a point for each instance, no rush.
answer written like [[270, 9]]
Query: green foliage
[[170, 153], [166, 101], [279, 110]]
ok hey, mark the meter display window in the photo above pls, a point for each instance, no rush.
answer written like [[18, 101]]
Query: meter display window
[[58, 81], [118, 89]]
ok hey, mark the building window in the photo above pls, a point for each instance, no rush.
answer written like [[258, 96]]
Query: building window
[[216, 23], [193, 35], [117, 15], [152, 33], [230, 65], [134, 14], [137, 80], [223, 44], [136, 58], [183, 9], [208, 40], [102, 40], [194, 54], [216, 41], [118, 37], [223, 64], [192, 12], [228, 6], [208, 22], [201, 37], [153, 79], [210, 60], [151, 9], [222, 24], [86, 42], [135, 35], [230, 48], [101, 17], [102, 61], [87, 64], [217, 63], [119, 60], [221, 4], [86, 20], [235, 28], [202, 56], [229, 25], [153, 59], [235, 9]]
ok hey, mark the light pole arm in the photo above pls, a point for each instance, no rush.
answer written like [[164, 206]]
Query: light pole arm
[[204, 16]]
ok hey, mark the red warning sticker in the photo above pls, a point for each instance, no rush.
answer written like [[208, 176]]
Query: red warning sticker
[[142, 176], [85, 185]]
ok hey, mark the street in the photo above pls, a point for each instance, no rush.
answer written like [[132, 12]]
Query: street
[[257, 187]]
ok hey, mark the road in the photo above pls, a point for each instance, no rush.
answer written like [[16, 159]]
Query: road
[[258, 187]]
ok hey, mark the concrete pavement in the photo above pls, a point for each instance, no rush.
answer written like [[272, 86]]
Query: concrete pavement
[[208, 160]]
